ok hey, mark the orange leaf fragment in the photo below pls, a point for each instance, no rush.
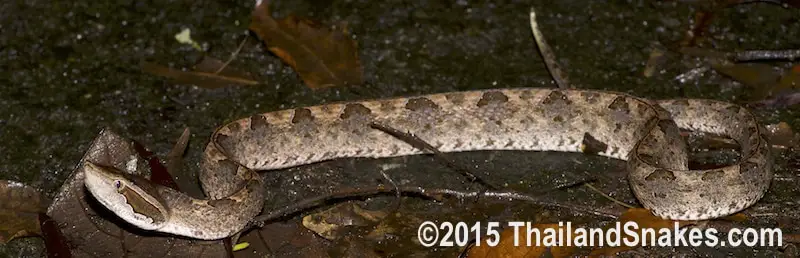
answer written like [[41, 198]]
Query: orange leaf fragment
[[322, 57], [737, 217], [508, 248]]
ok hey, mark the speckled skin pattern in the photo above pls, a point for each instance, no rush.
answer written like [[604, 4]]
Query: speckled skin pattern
[[617, 125]]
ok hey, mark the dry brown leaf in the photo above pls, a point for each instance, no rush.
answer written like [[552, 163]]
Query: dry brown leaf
[[507, 248], [761, 79], [19, 208], [208, 80], [784, 91], [322, 57], [335, 222]]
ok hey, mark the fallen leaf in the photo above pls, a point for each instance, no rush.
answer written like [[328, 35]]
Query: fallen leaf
[[761, 79], [337, 221], [208, 80], [322, 57], [784, 92], [93, 231], [507, 247], [20, 206]]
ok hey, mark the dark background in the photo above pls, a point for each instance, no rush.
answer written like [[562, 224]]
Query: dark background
[[71, 68]]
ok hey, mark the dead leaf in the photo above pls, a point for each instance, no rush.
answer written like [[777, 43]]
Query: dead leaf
[[322, 57], [760, 78], [20, 206], [336, 222], [507, 248], [208, 80], [93, 231]]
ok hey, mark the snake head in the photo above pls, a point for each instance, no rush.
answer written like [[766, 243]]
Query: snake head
[[132, 198]]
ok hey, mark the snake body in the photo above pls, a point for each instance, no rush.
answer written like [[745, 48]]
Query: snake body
[[645, 133]]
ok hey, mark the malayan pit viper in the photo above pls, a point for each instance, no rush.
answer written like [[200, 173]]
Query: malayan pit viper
[[645, 133]]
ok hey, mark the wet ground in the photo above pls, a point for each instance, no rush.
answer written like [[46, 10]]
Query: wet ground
[[72, 68]]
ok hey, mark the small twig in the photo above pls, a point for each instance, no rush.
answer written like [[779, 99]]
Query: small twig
[[175, 156], [190, 76], [234, 240], [232, 57], [753, 55], [742, 56], [398, 193], [309, 203], [590, 186], [547, 54], [418, 143], [570, 184]]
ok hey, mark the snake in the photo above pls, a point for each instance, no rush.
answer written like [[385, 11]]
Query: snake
[[644, 133]]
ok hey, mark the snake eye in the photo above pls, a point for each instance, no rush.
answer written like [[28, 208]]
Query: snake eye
[[117, 184]]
